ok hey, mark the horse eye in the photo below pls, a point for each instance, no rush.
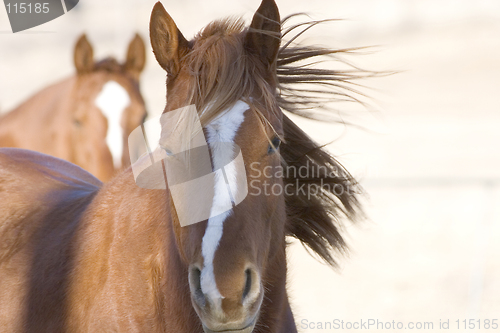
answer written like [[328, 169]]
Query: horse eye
[[275, 144]]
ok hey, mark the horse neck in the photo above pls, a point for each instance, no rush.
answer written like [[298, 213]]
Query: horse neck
[[46, 101], [173, 307], [130, 247]]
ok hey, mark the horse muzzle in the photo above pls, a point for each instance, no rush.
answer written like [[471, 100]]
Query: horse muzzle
[[237, 312]]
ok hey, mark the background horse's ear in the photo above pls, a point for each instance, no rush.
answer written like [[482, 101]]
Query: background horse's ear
[[136, 56], [83, 56], [264, 35], [168, 43]]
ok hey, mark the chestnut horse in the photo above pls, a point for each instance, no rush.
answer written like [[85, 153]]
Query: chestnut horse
[[85, 119], [78, 256]]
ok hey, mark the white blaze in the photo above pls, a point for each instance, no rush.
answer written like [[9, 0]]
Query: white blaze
[[222, 129], [112, 101]]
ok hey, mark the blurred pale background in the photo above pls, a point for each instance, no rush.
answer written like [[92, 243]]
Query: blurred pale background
[[429, 158]]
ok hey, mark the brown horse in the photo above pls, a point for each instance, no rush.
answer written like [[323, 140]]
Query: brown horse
[[85, 119], [76, 256]]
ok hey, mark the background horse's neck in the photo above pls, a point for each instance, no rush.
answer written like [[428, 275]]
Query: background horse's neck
[[31, 124]]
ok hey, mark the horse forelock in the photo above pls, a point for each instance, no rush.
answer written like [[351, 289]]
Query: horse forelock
[[109, 64], [223, 72]]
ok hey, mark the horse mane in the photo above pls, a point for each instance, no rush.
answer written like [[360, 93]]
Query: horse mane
[[321, 199], [315, 219]]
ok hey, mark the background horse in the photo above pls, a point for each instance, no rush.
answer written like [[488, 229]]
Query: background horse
[[78, 257], [85, 119]]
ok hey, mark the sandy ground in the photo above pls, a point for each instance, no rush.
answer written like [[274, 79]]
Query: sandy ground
[[429, 159]]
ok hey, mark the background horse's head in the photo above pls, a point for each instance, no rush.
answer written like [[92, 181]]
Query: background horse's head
[[107, 106], [237, 259]]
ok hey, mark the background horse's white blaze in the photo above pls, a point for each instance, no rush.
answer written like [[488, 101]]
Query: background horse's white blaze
[[223, 129], [112, 101]]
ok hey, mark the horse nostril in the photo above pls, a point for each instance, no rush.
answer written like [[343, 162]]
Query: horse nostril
[[195, 281], [248, 283]]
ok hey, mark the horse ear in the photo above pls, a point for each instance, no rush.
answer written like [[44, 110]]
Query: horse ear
[[83, 55], [136, 56], [264, 35], [168, 43]]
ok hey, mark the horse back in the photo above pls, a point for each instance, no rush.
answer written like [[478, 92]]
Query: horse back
[[41, 201]]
